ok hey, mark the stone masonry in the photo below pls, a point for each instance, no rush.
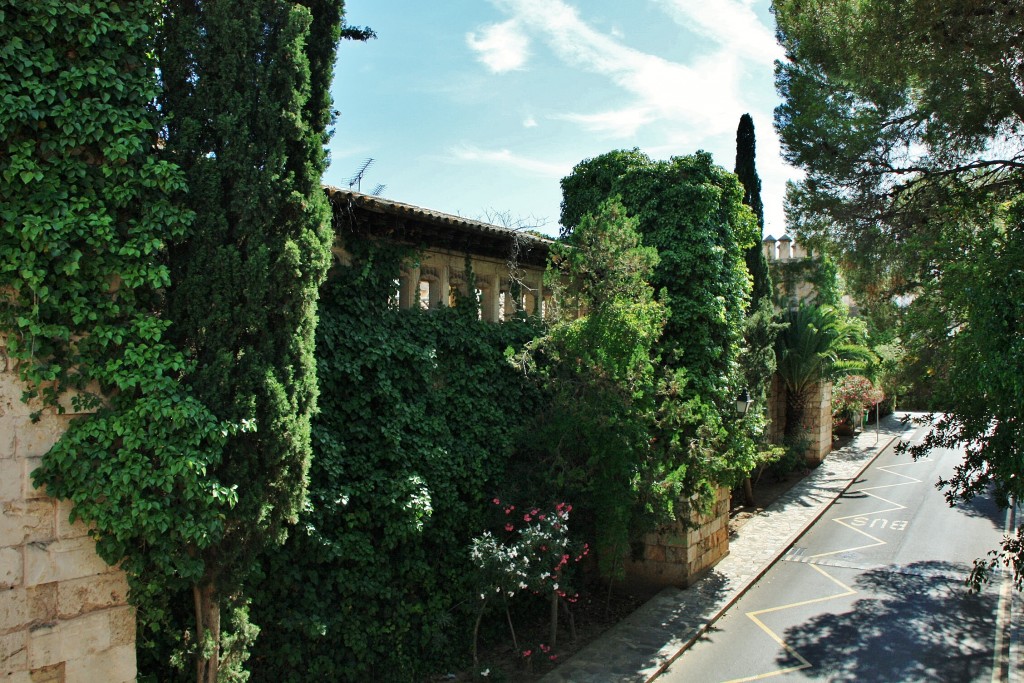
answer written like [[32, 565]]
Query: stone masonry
[[64, 615], [678, 557], [817, 418]]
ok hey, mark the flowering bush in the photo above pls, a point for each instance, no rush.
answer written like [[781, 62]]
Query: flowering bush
[[853, 394], [532, 557]]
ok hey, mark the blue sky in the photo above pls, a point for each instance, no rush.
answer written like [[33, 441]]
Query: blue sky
[[480, 107]]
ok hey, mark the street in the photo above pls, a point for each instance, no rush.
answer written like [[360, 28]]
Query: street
[[874, 591]]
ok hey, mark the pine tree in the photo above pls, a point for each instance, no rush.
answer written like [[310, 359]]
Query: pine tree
[[247, 106]]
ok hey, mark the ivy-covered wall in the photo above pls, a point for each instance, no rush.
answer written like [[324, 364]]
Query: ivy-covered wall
[[419, 417]]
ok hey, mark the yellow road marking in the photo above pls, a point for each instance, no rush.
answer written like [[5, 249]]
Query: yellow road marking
[[846, 590]]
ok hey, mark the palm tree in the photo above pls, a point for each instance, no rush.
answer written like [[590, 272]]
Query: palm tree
[[818, 342]]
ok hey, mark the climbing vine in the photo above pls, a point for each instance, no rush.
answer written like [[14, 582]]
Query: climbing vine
[[420, 415], [87, 208]]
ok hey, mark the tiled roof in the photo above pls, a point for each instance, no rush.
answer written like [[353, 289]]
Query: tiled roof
[[455, 229]]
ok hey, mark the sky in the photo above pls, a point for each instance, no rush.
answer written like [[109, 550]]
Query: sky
[[479, 107]]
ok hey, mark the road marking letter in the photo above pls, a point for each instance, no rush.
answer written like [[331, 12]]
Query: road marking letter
[[880, 523]]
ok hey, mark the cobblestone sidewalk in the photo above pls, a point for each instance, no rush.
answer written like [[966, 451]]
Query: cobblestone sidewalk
[[637, 648]]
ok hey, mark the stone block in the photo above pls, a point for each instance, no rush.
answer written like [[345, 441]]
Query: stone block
[[48, 674], [26, 521], [62, 560], [7, 441], [692, 553], [42, 603], [11, 470], [654, 553], [11, 568], [11, 388], [14, 651], [34, 439], [68, 640], [91, 593], [66, 528], [116, 665], [14, 612], [673, 539], [122, 625], [28, 487]]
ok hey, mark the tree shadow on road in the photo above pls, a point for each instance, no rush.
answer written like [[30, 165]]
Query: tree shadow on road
[[914, 623]]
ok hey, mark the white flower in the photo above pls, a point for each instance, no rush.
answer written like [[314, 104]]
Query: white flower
[[485, 672]]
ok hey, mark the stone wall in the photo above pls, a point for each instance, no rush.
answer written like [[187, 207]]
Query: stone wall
[[678, 557], [817, 418], [64, 615], [818, 422]]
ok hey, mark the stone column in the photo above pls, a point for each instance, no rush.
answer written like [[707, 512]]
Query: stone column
[[539, 297], [409, 289], [444, 288], [510, 307], [489, 304]]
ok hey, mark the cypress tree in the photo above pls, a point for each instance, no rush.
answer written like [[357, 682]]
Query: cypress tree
[[757, 263], [760, 326], [247, 106]]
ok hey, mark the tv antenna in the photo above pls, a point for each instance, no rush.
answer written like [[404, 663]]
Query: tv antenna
[[378, 189], [357, 179]]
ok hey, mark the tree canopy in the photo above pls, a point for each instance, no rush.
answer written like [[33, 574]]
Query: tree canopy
[[691, 211], [890, 139], [914, 157]]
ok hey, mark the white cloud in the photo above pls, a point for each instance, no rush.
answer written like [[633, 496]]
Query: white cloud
[[504, 157], [703, 94], [502, 47], [733, 24], [621, 122], [530, 122]]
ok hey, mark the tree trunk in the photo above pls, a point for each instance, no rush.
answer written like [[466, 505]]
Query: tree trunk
[[796, 403], [207, 608], [748, 492]]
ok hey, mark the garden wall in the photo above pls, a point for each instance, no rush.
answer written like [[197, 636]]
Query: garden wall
[[64, 614], [679, 557]]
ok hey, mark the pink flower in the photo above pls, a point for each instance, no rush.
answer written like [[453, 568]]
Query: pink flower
[[540, 517], [509, 527], [496, 501], [526, 518], [527, 653]]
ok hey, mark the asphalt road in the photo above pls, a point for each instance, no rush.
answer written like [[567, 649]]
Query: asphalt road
[[874, 591]]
